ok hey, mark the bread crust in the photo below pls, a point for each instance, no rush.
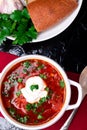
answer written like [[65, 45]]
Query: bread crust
[[46, 13]]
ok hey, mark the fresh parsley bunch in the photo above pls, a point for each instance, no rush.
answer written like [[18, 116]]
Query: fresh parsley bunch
[[18, 25]]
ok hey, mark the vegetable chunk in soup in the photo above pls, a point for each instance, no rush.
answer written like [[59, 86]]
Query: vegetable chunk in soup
[[33, 92]]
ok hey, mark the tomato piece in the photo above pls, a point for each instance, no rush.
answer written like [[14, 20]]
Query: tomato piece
[[19, 102], [20, 86]]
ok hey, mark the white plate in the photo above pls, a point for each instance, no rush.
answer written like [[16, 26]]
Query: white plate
[[58, 28]]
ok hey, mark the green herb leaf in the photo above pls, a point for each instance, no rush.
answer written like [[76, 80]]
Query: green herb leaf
[[18, 25], [62, 84], [39, 116], [23, 119], [12, 111], [26, 64], [34, 86], [18, 93], [25, 13], [4, 16], [35, 105], [28, 106], [42, 100], [40, 66], [16, 15], [25, 71], [43, 76], [20, 80], [47, 89], [31, 32]]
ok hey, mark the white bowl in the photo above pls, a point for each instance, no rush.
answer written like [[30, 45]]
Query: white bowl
[[66, 105]]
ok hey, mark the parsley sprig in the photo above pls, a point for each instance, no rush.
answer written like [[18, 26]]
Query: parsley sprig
[[18, 25]]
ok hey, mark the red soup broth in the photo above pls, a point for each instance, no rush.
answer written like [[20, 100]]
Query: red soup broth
[[47, 107]]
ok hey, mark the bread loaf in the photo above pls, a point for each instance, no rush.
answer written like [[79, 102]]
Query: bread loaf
[[46, 13]]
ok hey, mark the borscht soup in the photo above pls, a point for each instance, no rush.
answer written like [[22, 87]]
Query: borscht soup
[[33, 92]]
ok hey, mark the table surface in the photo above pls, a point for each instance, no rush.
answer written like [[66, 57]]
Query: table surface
[[67, 48]]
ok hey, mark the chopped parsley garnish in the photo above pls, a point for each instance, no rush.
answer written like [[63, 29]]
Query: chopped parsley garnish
[[18, 93], [43, 76], [18, 24], [28, 106], [62, 84], [25, 71], [34, 86], [39, 117], [42, 100], [26, 64], [40, 66], [47, 89], [20, 80], [12, 111], [32, 107], [35, 106], [23, 119]]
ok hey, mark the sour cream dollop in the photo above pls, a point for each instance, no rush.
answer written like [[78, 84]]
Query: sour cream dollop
[[34, 89]]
